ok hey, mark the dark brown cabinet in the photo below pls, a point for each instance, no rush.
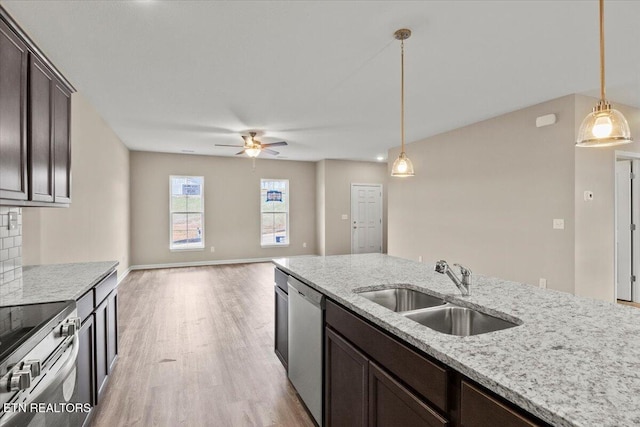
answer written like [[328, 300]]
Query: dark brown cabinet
[[40, 132], [392, 404], [374, 379], [346, 383], [281, 344], [13, 115], [35, 144], [480, 409], [102, 368], [86, 375], [98, 311], [62, 143]]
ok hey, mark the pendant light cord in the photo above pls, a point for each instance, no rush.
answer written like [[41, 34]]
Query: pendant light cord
[[602, 89], [402, 92]]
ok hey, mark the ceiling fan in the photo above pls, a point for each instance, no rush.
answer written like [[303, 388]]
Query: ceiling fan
[[252, 147]]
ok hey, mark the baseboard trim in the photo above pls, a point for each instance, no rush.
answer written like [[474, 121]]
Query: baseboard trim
[[126, 272], [200, 263]]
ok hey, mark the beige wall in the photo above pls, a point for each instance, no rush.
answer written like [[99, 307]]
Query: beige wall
[[486, 195], [338, 177], [320, 207], [595, 220], [232, 207], [96, 226]]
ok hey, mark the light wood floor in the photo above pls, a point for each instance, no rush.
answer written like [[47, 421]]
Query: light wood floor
[[196, 349], [632, 304]]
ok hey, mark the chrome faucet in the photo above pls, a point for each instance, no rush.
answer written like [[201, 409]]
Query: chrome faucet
[[465, 284]]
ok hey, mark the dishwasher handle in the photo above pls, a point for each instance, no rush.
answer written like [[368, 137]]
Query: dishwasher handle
[[308, 293]]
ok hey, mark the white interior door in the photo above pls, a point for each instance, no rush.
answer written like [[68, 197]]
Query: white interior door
[[624, 264], [366, 218]]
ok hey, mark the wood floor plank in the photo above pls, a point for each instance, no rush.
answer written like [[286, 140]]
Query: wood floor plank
[[196, 349]]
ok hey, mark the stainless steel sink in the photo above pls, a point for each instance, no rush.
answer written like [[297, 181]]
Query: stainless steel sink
[[454, 320], [402, 299]]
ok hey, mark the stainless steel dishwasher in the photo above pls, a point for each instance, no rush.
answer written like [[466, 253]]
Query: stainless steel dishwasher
[[306, 307]]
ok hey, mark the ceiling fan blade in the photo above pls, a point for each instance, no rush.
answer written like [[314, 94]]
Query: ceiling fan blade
[[275, 144], [227, 145], [272, 152], [240, 152]]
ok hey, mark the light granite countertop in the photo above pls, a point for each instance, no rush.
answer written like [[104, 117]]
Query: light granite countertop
[[572, 362], [55, 282]]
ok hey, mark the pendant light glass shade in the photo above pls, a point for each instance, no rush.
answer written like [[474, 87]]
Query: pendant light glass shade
[[604, 126], [402, 167]]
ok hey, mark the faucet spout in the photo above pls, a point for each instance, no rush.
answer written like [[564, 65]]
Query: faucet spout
[[463, 285]]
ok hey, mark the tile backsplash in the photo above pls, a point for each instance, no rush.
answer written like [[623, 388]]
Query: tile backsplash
[[10, 250]]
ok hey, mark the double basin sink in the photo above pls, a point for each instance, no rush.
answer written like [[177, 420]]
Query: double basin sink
[[436, 313]]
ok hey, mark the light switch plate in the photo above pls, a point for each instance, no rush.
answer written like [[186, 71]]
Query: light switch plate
[[13, 220]]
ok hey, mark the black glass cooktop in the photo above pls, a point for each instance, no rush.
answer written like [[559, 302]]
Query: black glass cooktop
[[19, 323]]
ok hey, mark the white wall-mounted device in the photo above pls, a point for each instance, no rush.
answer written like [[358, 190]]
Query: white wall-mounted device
[[546, 120]]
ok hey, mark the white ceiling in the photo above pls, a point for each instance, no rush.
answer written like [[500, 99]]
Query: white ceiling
[[325, 75]]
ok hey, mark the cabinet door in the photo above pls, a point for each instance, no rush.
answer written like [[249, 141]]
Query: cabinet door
[[61, 143], [479, 409], [102, 368], [112, 328], [282, 326], [346, 383], [86, 379], [40, 132], [13, 112], [391, 404]]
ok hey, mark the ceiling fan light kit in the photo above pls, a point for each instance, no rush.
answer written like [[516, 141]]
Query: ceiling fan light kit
[[604, 126], [402, 167]]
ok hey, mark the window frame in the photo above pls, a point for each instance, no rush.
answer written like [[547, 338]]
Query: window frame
[[171, 212], [288, 215]]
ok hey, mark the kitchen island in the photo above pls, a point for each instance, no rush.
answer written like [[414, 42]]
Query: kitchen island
[[571, 361]]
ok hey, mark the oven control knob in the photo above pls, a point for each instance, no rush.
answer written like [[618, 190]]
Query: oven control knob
[[32, 366], [20, 380], [76, 321], [68, 329]]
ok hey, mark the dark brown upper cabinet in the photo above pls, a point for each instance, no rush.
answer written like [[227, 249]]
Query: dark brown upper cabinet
[[62, 143], [40, 137], [35, 114], [13, 112]]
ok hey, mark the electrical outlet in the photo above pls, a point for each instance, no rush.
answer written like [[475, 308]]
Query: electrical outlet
[[304, 244], [213, 248], [345, 216], [558, 224], [542, 284], [588, 196], [419, 258]]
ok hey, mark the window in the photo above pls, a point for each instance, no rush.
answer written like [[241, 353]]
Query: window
[[274, 212], [186, 212]]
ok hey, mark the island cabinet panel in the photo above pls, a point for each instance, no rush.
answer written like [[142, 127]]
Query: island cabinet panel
[[112, 329], [480, 409], [281, 344], [346, 383], [13, 111], [392, 404], [41, 83], [427, 377]]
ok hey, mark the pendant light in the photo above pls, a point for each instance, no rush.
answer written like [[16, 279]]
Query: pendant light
[[402, 167], [604, 126]]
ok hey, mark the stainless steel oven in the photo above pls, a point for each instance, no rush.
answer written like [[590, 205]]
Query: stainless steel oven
[[39, 385]]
